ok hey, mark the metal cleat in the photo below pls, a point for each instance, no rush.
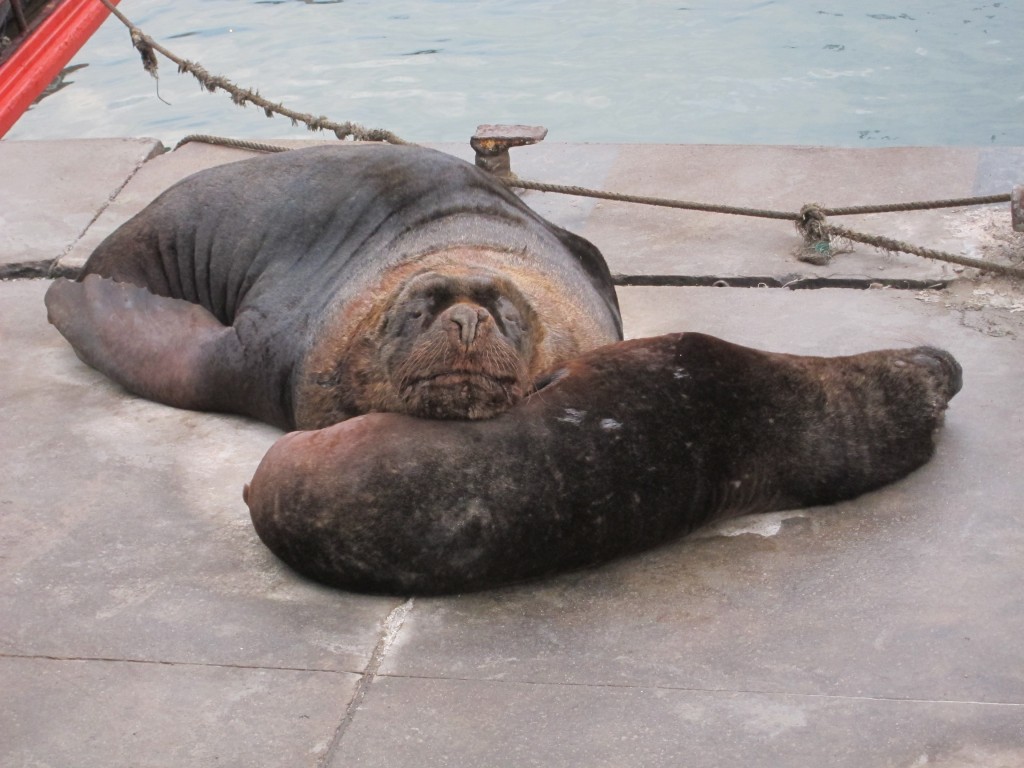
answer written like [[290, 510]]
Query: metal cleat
[[492, 143]]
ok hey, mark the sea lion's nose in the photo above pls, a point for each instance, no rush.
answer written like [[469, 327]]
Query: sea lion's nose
[[466, 319], [942, 362]]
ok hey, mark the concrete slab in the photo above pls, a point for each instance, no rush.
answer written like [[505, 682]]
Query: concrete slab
[[50, 191], [416, 722], [999, 170], [123, 532], [139, 611], [107, 713]]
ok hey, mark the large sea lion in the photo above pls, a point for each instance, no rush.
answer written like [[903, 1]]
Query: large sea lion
[[311, 287], [307, 287], [624, 447]]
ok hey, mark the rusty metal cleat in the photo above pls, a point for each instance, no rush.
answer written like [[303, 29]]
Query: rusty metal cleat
[[1016, 208], [492, 143]]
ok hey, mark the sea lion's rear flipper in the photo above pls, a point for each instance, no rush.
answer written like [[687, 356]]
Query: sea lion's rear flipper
[[164, 349]]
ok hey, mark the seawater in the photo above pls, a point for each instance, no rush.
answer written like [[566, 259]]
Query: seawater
[[826, 72]]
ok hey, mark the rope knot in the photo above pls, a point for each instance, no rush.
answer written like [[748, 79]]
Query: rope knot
[[145, 48], [814, 227]]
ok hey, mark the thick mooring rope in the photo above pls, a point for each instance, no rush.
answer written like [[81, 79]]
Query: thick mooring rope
[[250, 146], [242, 96], [889, 244], [642, 200], [758, 212], [812, 222]]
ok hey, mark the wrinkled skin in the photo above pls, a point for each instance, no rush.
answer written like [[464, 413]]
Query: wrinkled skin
[[449, 348]]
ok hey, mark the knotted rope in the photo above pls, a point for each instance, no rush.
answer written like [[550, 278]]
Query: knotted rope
[[819, 234], [812, 222]]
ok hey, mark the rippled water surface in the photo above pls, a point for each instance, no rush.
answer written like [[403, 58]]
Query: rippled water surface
[[832, 72]]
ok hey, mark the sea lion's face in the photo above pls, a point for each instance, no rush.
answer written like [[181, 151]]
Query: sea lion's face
[[457, 347]]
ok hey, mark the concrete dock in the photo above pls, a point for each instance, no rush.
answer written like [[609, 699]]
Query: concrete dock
[[142, 623]]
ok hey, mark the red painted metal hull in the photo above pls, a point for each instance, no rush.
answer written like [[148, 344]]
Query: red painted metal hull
[[40, 57]]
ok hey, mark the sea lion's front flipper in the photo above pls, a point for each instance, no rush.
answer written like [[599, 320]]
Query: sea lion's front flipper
[[164, 349]]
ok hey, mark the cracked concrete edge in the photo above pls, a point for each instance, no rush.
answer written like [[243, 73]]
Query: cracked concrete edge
[[55, 191], [156, 150], [139, 189], [151, 179], [393, 623], [61, 266]]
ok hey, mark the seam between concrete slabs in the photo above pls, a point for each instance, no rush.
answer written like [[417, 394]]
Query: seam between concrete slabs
[[368, 675], [169, 663]]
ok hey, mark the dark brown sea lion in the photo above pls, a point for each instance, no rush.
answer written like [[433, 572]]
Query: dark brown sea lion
[[625, 447], [311, 286]]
